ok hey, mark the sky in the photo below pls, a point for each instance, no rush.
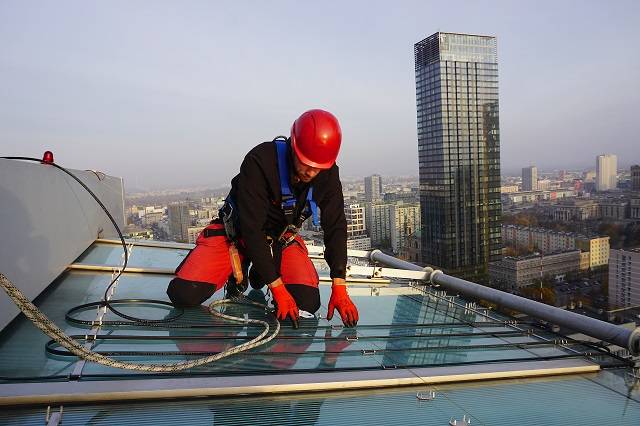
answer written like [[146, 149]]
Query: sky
[[172, 94]]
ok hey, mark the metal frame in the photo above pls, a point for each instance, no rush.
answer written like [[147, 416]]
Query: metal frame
[[119, 390], [313, 250], [171, 271]]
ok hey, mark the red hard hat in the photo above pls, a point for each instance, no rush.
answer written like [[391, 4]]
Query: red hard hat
[[316, 138]]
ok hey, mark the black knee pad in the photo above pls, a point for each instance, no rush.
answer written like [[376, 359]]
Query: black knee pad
[[186, 294], [307, 298]]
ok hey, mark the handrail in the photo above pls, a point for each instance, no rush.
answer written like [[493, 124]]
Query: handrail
[[611, 333]]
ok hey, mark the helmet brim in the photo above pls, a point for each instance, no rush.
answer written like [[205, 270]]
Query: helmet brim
[[306, 161]]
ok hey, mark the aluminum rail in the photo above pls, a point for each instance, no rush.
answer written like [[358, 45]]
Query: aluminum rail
[[605, 331]]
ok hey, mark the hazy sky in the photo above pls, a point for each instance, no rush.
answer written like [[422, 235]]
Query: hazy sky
[[171, 94]]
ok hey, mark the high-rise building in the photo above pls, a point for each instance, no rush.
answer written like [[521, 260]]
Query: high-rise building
[[606, 172], [378, 223], [530, 178], [373, 188], [635, 178], [634, 207], [624, 278], [179, 221], [354, 213], [459, 151], [405, 220]]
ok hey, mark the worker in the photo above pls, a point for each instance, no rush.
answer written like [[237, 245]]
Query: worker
[[281, 184]]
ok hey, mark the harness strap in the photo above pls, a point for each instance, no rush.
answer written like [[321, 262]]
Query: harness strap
[[314, 207], [288, 203], [288, 199], [220, 232]]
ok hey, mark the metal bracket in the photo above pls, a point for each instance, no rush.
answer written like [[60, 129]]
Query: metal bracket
[[53, 419], [426, 396]]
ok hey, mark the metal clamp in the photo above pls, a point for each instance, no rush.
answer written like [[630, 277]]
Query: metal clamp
[[377, 272], [426, 396], [433, 274], [55, 418], [288, 240]]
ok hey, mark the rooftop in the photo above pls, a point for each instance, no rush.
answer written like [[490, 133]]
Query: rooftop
[[419, 355], [552, 231]]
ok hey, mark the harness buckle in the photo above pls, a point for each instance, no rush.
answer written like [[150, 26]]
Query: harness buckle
[[285, 239]]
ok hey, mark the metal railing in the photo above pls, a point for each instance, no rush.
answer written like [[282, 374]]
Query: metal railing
[[611, 333]]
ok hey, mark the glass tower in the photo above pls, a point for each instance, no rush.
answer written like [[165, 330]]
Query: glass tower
[[459, 151]]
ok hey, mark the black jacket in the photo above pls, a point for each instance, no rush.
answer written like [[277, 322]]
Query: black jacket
[[256, 191]]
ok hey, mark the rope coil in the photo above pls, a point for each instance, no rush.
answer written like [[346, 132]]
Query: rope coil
[[47, 326]]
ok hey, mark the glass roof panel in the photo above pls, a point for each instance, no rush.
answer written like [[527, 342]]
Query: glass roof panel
[[141, 257], [400, 326]]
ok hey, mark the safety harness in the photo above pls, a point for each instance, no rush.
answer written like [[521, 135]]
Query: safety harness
[[229, 215], [289, 206]]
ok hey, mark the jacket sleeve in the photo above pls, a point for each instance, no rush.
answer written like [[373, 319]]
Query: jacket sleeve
[[334, 225], [252, 199]]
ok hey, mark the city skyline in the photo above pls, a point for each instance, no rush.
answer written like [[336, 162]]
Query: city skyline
[[135, 90]]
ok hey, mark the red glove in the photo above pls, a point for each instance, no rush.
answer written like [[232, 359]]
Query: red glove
[[340, 300], [285, 304]]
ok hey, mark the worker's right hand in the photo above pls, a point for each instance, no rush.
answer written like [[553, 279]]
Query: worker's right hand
[[285, 304]]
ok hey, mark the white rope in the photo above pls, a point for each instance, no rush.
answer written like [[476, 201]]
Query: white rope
[[41, 321]]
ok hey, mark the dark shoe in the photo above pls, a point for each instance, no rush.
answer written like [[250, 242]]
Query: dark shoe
[[234, 289]]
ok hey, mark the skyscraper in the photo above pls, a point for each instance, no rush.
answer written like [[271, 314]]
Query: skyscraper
[[179, 221], [606, 172], [635, 178], [459, 151], [530, 178], [373, 188]]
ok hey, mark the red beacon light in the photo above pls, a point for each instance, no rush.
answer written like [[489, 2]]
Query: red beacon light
[[47, 158]]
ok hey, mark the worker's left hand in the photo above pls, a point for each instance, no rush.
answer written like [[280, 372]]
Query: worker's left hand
[[341, 301]]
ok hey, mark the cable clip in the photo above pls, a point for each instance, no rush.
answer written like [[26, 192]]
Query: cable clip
[[368, 351]]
